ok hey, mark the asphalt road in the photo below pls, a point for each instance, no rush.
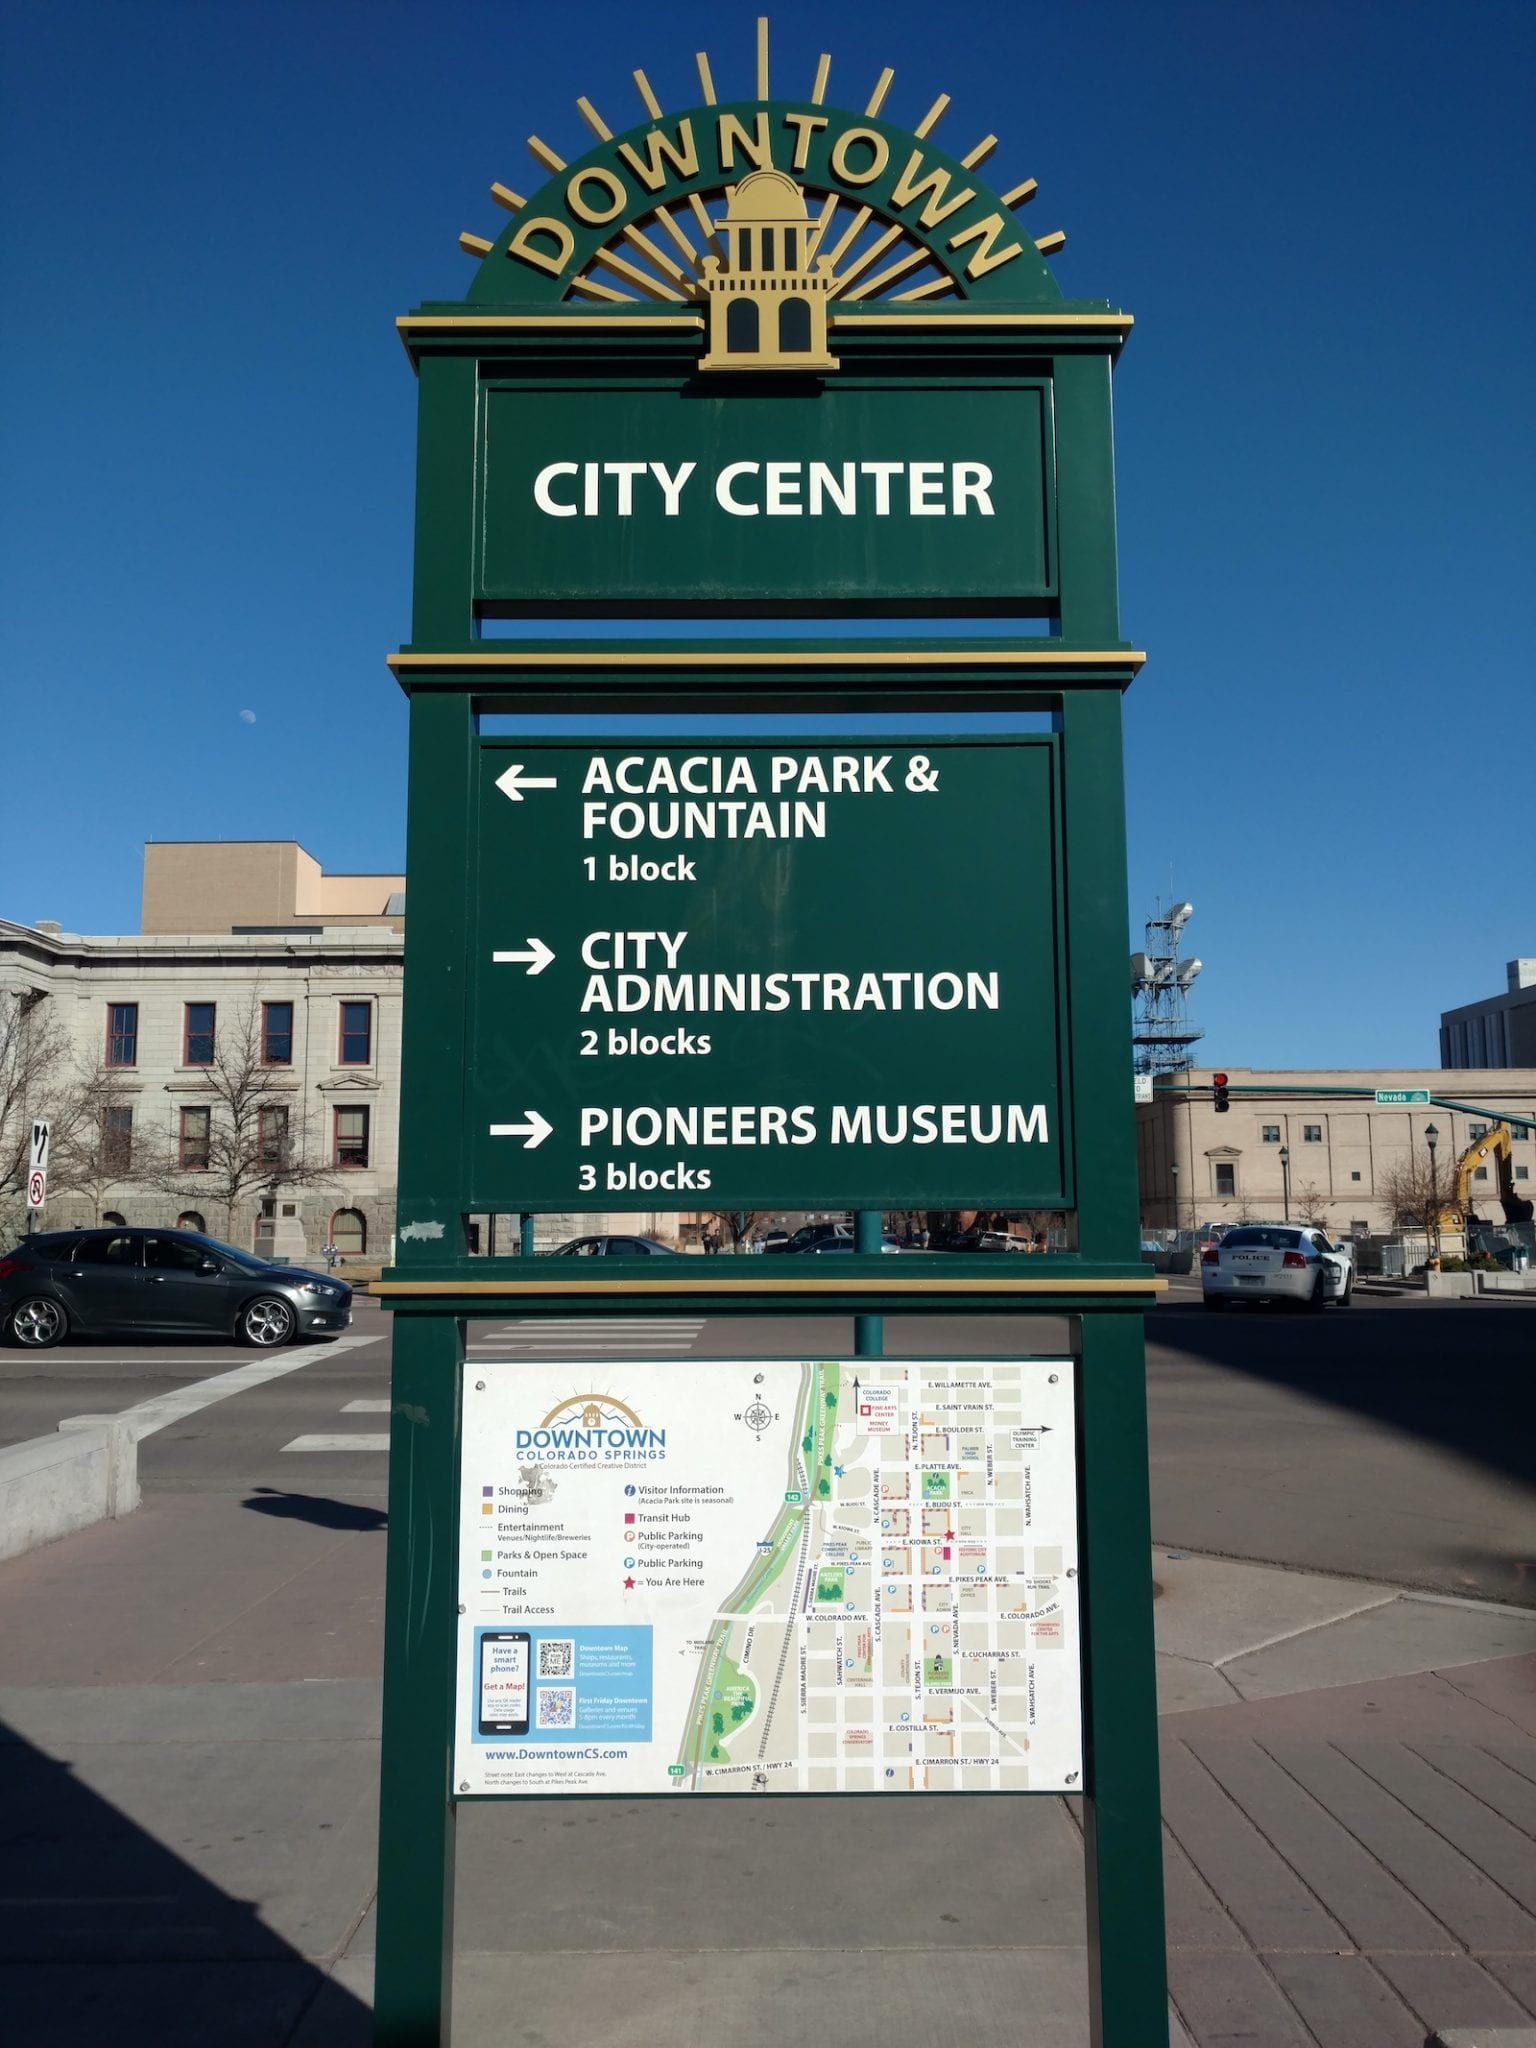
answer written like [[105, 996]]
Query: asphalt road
[[1393, 1441]]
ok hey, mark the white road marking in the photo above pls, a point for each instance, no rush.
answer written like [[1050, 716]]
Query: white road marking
[[367, 1407], [339, 1443], [149, 1416]]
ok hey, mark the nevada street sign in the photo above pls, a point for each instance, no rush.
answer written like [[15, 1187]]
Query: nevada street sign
[[728, 975]]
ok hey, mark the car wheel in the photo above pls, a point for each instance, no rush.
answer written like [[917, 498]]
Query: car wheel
[[266, 1322], [1317, 1300], [1348, 1295], [37, 1322]]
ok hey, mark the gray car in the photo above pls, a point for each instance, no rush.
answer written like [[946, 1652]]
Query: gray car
[[161, 1283]]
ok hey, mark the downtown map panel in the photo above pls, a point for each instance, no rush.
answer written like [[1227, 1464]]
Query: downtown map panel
[[773, 1576]]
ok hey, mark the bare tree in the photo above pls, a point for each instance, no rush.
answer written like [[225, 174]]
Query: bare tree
[[34, 1072], [255, 1135], [736, 1224], [1309, 1203], [1415, 1193], [93, 1149]]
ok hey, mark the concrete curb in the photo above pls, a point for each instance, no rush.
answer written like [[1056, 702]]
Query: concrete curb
[[54, 1485]]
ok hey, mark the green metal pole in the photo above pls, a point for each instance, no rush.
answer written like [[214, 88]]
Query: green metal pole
[[413, 1973], [527, 1237], [1127, 1961], [868, 1331]]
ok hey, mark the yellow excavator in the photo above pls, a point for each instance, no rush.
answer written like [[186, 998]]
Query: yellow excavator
[[1497, 1145]]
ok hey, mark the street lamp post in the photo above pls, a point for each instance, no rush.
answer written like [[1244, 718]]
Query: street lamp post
[[1285, 1179], [1432, 1139], [1173, 1168]]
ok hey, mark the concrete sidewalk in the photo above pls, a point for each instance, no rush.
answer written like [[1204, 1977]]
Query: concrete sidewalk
[[190, 1718]]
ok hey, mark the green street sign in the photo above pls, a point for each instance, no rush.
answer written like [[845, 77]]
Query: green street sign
[[1397, 1098], [892, 495], [719, 975]]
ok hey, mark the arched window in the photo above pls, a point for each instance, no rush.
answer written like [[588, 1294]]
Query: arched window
[[190, 1220], [741, 327], [794, 327], [349, 1233], [111, 1216]]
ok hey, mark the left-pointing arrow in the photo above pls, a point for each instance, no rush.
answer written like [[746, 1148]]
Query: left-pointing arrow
[[512, 782], [533, 1130], [536, 959]]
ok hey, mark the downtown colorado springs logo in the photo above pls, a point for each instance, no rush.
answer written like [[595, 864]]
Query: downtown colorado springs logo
[[591, 1429]]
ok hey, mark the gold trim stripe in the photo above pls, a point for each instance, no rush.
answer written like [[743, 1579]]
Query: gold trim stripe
[[449, 323], [829, 657], [1153, 1284]]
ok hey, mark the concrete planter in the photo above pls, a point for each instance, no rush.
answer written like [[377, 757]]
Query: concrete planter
[[1450, 1286]]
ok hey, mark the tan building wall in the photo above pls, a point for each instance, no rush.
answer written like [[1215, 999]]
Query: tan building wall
[[193, 885], [1339, 1145]]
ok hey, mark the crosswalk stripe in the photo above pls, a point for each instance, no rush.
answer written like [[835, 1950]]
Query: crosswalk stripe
[[366, 1407], [339, 1443]]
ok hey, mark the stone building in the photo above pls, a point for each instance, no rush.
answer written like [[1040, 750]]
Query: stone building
[[1305, 1143], [255, 975], [1498, 1032]]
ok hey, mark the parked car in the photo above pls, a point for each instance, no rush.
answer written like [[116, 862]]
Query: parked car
[[989, 1241], [811, 1233], [612, 1248], [1276, 1262], [843, 1244], [130, 1282], [772, 1240]]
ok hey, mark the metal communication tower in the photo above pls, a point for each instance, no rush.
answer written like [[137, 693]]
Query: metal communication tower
[[1160, 983]]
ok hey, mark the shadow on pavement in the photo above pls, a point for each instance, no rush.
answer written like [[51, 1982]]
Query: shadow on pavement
[[314, 1507], [107, 1935], [1459, 1375]]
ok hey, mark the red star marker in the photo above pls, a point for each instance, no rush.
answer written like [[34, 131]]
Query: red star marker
[[629, 1585], [949, 1535]]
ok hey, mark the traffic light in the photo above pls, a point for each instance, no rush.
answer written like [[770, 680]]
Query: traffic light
[[1219, 1093]]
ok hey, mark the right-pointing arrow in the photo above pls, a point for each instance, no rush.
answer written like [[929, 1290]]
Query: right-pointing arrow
[[533, 1130], [536, 959]]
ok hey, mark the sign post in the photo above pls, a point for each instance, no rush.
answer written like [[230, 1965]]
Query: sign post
[[767, 358], [37, 1170]]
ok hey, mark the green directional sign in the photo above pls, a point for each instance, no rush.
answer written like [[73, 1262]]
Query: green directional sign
[[893, 495], [1400, 1098], [713, 975]]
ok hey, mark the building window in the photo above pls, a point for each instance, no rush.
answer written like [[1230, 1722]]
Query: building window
[[122, 1034], [741, 327], [1226, 1180], [1270, 1133], [272, 1135], [277, 1034], [192, 1143], [351, 1147], [117, 1139], [1479, 1173], [1311, 1134], [1522, 1173], [349, 1233], [356, 1034], [795, 327], [190, 1219], [197, 1038], [1354, 1176], [1476, 1131]]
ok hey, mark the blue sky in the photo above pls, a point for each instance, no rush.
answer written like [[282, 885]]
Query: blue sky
[[1319, 214]]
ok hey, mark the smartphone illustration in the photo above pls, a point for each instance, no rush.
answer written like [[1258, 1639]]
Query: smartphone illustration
[[504, 1682]]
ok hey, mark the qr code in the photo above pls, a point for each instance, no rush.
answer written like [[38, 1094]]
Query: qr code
[[557, 1706], [557, 1657]]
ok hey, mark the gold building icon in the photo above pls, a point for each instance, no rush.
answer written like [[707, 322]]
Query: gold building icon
[[767, 302]]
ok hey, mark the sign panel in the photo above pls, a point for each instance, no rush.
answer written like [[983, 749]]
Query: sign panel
[[877, 495], [758, 976], [773, 1576], [37, 1189], [41, 1133], [1397, 1098]]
